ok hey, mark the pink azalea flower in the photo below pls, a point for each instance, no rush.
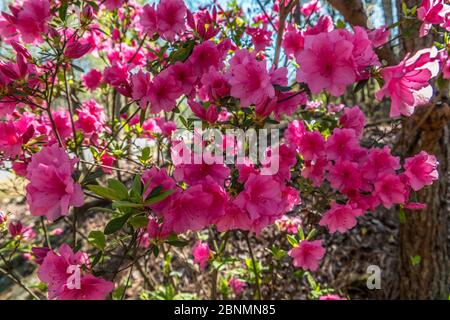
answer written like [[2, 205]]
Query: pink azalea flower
[[294, 131], [289, 224], [293, 41], [261, 37], [196, 173], [107, 160], [171, 18], [201, 253], [249, 79], [204, 23], [196, 207], [326, 63], [261, 198], [52, 190], [163, 93], [342, 144], [408, 82], [214, 85], [205, 56], [55, 271], [39, 254], [324, 24], [182, 72], [315, 170], [340, 217], [430, 12], [331, 297], [379, 36], [310, 7], [421, 170], [10, 139], [18, 230], [363, 54], [415, 206], [237, 285], [92, 79], [210, 114], [311, 145], [379, 162], [233, 218], [390, 190], [245, 170], [32, 20], [353, 118], [113, 4], [345, 176], [307, 254], [140, 88], [76, 48], [91, 118], [148, 19]]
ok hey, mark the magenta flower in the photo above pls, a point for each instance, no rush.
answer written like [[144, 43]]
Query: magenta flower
[[261, 198], [56, 272], [340, 217], [342, 144], [32, 20], [201, 253], [407, 84], [307, 254], [430, 12], [250, 82], [237, 285], [353, 118], [92, 79], [52, 190], [326, 63], [421, 170], [171, 18], [390, 190]]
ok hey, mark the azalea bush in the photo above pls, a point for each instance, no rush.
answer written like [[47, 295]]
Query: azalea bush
[[97, 99]]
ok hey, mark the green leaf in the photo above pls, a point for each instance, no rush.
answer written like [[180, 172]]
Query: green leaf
[[126, 204], [136, 190], [104, 192], [415, 260], [119, 187], [402, 215], [340, 24], [142, 116], [115, 224], [97, 239], [156, 190], [139, 222], [177, 243], [159, 197], [291, 239], [63, 10], [311, 234]]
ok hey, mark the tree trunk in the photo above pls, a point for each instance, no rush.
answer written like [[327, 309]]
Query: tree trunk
[[423, 237], [387, 11]]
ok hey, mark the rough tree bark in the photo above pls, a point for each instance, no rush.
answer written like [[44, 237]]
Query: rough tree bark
[[425, 233]]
